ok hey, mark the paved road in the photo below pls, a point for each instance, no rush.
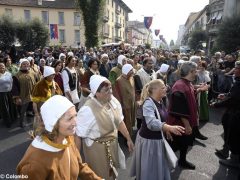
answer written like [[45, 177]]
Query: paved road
[[14, 142]]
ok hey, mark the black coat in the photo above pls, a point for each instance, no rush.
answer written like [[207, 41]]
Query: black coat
[[232, 116]]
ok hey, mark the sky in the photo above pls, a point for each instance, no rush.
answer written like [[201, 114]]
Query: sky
[[167, 14]]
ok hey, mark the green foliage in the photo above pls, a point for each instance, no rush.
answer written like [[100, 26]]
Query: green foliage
[[7, 32], [196, 39], [91, 10], [148, 46], [171, 43], [228, 37], [32, 35]]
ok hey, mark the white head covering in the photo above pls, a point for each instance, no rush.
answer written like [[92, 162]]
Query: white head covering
[[48, 71], [30, 58], [164, 68], [53, 109], [126, 68], [104, 55], [120, 58], [61, 54], [22, 60], [70, 54], [95, 82], [180, 61]]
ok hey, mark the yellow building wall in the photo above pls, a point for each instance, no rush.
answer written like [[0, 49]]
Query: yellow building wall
[[69, 27]]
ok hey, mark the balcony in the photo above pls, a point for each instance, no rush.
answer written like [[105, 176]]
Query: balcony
[[118, 11], [105, 34], [118, 25], [105, 18], [118, 38]]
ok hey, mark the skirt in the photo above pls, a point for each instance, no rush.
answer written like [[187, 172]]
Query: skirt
[[149, 160]]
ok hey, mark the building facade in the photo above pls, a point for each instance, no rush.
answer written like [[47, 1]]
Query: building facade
[[181, 32], [59, 15], [138, 34], [215, 16], [114, 21]]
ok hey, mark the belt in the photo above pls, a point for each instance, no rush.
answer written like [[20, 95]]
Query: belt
[[107, 144]]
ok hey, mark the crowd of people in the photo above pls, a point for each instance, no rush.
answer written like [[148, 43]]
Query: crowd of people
[[83, 100]]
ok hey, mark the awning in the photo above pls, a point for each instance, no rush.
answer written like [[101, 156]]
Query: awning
[[214, 15], [219, 16]]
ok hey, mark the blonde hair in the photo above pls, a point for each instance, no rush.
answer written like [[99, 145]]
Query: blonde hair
[[147, 89]]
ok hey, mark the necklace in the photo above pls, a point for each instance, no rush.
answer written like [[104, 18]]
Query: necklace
[[58, 146]]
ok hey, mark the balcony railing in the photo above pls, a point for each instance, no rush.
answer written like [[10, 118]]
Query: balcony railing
[[118, 25], [105, 34], [105, 18], [118, 10], [118, 38]]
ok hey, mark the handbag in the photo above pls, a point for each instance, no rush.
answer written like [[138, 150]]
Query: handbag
[[74, 96], [171, 156]]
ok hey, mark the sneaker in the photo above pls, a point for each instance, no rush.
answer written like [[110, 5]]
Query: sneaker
[[186, 165]]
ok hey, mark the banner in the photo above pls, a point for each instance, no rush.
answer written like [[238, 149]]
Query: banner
[[53, 31], [148, 22], [157, 31]]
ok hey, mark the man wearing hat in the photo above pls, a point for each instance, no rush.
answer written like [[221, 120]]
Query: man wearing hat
[[117, 71], [124, 91], [44, 89], [98, 123], [23, 83], [53, 154]]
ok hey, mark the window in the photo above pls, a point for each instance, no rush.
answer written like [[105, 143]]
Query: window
[[108, 13], [112, 17], [107, 1], [123, 23], [27, 15], [77, 36], [62, 35], [76, 19], [45, 17], [112, 3], [9, 12], [61, 18]]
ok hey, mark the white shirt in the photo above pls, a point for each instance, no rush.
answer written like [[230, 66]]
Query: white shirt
[[87, 126]]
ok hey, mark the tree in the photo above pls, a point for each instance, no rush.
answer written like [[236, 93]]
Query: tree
[[171, 43], [32, 35], [196, 39], [228, 37], [7, 32], [91, 10]]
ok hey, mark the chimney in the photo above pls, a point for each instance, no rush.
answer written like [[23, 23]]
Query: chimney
[[40, 2]]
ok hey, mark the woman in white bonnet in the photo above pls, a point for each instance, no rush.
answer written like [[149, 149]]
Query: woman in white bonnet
[[98, 123], [53, 154]]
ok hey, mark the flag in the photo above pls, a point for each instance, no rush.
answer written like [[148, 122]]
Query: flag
[[148, 22], [53, 31], [157, 31]]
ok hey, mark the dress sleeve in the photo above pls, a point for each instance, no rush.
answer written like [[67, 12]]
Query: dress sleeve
[[152, 122], [86, 173], [179, 106], [65, 79], [86, 123], [33, 171]]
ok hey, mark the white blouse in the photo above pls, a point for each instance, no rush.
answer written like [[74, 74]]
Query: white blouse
[[87, 127]]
